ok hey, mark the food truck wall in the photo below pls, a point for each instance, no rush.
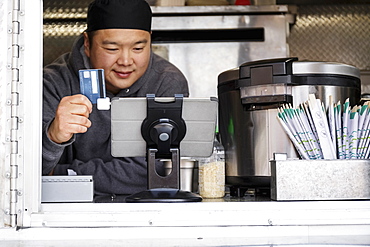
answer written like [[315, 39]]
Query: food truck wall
[[24, 218]]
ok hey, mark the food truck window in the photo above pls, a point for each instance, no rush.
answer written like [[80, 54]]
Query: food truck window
[[50, 31]]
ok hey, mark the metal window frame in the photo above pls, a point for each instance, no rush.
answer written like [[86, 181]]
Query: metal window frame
[[20, 204], [21, 102]]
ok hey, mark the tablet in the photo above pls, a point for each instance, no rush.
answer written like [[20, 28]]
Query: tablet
[[128, 114]]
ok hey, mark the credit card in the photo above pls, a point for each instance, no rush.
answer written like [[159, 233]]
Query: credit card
[[92, 84]]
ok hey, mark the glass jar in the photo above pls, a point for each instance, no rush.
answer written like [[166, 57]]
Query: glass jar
[[212, 173]]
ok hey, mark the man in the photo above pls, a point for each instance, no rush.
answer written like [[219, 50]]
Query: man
[[76, 136]]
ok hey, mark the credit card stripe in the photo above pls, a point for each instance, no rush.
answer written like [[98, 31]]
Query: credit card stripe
[[101, 84], [94, 82]]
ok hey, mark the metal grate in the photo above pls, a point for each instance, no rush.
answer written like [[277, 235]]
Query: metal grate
[[335, 33]]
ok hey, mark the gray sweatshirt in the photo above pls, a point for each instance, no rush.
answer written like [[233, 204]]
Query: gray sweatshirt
[[90, 153]]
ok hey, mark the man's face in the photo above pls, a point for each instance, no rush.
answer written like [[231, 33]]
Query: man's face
[[123, 54]]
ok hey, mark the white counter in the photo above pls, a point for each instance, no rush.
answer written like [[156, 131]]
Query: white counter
[[196, 224]]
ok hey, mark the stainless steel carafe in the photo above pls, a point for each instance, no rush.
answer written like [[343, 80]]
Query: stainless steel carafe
[[249, 97]]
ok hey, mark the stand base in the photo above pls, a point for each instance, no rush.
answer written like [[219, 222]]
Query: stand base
[[164, 195]]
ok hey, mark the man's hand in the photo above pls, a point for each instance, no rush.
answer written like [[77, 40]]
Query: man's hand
[[72, 116]]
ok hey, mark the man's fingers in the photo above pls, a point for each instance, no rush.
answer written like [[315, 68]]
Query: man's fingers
[[76, 105], [80, 99], [71, 117], [79, 121]]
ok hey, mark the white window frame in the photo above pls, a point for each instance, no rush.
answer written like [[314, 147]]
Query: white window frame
[[207, 219]]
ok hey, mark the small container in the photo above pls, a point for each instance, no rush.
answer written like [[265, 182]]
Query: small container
[[212, 174], [188, 176]]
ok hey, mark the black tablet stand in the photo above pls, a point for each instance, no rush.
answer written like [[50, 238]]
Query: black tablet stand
[[163, 130]]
